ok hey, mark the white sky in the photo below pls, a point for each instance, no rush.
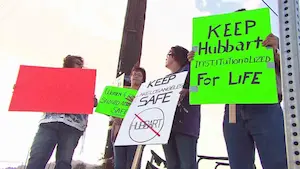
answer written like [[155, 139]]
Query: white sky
[[42, 32]]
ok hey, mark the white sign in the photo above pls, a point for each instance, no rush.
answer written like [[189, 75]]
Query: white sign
[[119, 82], [150, 117]]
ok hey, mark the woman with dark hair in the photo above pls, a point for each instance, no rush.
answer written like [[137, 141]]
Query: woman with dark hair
[[181, 150], [61, 130], [124, 155]]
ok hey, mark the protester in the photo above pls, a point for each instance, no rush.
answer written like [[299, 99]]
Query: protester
[[181, 150], [63, 130], [124, 155], [257, 125]]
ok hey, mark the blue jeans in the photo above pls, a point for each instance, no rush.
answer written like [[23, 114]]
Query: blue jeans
[[48, 136], [260, 126], [181, 152], [123, 157]]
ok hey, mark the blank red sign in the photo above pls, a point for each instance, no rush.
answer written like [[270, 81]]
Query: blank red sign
[[54, 90]]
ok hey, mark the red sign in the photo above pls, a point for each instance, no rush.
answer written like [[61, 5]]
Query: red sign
[[54, 90]]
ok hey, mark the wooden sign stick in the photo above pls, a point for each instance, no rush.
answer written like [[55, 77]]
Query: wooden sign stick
[[137, 157], [232, 113]]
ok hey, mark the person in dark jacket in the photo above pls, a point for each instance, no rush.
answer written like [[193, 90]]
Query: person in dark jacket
[[63, 130], [181, 150]]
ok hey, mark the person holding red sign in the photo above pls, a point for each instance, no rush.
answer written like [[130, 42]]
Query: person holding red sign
[[181, 150], [257, 125], [61, 130], [124, 155]]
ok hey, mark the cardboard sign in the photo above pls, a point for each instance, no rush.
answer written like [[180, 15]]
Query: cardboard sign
[[55, 90], [231, 66], [150, 117], [113, 101]]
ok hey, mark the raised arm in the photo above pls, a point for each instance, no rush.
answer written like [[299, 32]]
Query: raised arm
[[273, 42]]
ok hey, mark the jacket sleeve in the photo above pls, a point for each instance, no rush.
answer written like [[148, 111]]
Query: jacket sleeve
[[187, 80]]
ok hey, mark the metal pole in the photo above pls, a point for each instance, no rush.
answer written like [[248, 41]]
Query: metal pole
[[290, 68], [130, 54]]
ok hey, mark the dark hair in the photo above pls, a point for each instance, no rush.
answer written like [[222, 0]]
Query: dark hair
[[70, 61], [240, 10], [139, 69], [180, 55]]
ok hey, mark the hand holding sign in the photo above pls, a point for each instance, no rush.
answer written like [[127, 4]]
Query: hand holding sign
[[183, 93], [130, 99], [118, 121], [271, 41], [191, 55]]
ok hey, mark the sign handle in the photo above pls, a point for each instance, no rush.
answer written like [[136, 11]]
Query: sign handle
[[232, 113], [137, 157]]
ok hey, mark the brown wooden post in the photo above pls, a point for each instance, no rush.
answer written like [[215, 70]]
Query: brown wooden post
[[130, 54]]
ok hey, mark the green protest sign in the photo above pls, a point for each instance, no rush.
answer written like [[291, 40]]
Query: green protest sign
[[113, 101], [231, 65]]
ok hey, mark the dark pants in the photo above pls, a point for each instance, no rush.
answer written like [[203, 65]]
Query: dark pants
[[260, 126], [181, 152], [123, 157], [48, 136]]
